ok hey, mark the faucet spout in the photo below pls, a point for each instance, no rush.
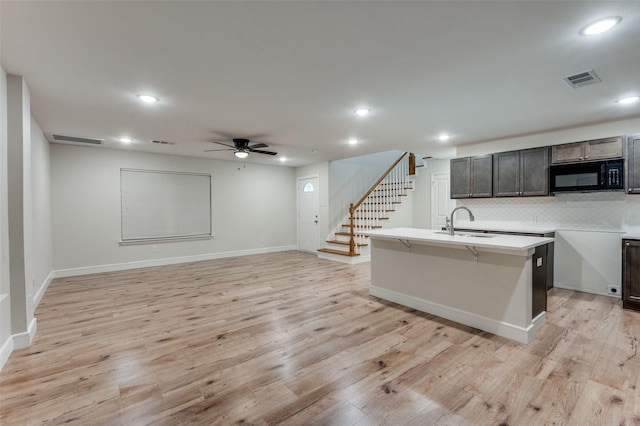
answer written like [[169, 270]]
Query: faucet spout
[[449, 221]]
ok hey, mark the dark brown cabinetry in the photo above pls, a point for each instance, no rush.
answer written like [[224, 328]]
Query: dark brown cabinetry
[[597, 149], [521, 173], [633, 164], [472, 177], [631, 274]]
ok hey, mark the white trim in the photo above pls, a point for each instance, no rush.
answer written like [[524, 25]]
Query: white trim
[[168, 261], [5, 352], [23, 340], [350, 260], [42, 290], [510, 331]]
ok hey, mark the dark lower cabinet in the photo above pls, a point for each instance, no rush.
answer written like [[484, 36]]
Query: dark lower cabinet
[[631, 274]]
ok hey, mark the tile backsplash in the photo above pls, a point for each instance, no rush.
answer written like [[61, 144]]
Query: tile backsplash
[[599, 211]]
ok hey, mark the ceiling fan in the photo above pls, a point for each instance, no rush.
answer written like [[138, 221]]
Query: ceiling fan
[[241, 148]]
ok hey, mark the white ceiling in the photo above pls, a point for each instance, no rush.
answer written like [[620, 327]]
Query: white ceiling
[[290, 73]]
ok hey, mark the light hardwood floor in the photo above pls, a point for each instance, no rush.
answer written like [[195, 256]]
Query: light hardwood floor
[[286, 338]]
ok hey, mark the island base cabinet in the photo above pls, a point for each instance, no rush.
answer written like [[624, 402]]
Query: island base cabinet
[[491, 291], [631, 274]]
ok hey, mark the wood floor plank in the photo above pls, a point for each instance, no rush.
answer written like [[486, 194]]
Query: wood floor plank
[[293, 339]]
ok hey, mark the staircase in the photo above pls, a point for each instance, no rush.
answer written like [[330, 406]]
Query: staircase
[[375, 208]]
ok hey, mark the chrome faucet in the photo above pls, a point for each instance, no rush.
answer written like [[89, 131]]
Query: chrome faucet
[[449, 221]]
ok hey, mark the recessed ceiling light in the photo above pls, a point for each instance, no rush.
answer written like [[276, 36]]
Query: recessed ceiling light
[[628, 100], [125, 140], [362, 112], [353, 141], [148, 98], [443, 137], [283, 159], [601, 26]]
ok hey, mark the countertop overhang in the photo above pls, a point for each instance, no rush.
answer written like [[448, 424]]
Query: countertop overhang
[[512, 243]]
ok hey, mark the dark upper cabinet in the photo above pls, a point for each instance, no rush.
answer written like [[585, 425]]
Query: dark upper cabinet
[[521, 173], [633, 164], [631, 274], [596, 149], [472, 177]]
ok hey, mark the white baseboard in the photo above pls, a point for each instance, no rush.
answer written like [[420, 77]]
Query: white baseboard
[[5, 351], [42, 290], [60, 273], [510, 331], [351, 260], [23, 340], [582, 290]]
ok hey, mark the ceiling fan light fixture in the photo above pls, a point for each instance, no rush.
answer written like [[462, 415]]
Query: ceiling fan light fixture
[[241, 153], [600, 26]]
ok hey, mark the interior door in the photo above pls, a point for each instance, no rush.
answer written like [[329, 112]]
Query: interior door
[[308, 211], [441, 203]]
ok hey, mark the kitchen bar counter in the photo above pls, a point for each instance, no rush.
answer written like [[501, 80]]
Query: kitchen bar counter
[[483, 280]]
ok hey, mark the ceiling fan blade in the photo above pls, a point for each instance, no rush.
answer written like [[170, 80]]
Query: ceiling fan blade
[[224, 143], [221, 149], [258, 145], [263, 152]]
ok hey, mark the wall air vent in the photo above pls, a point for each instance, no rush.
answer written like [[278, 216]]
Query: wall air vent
[[582, 79], [163, 142], [74, 139]]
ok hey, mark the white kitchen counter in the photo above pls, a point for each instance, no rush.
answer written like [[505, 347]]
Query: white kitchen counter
[[487, 242], [483, 281]]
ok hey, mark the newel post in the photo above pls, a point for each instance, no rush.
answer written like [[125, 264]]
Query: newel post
[[352, 241], [412, 164]]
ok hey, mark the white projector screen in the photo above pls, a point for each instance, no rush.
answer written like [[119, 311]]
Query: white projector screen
[[160, 205]]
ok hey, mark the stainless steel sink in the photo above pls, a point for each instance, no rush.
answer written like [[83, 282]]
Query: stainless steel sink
[[466, 234]]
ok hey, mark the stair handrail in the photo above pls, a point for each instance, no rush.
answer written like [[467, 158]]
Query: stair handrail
[[354, 206]]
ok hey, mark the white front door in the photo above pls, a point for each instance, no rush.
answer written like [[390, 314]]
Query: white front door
[[441, 203], [308, 211]]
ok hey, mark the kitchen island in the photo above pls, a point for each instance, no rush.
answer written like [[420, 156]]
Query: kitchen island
[[484, 281]]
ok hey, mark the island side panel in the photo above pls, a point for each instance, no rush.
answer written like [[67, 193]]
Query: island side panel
[[496, 290]]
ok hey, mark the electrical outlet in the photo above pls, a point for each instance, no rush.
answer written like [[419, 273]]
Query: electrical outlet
[[613, 290], [154, 249]]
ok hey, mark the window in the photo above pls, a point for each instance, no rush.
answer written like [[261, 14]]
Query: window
[[308, 187], [161, 205]]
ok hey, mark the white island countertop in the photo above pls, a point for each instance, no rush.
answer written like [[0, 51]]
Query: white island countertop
[[434, 237]]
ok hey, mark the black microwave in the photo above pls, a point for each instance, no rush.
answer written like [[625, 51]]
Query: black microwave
[[587, 177]]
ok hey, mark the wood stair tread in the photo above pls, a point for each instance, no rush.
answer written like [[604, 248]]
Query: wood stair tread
[[338, 252], [344, 243]]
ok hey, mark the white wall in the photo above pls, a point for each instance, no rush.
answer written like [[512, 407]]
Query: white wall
[[6, 344], [596, 131], [41, 259], [422, 192], [253, 209]]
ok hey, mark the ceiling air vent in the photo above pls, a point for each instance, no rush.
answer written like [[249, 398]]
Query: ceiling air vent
[[163, 142], [582, 79], [73, 139]]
